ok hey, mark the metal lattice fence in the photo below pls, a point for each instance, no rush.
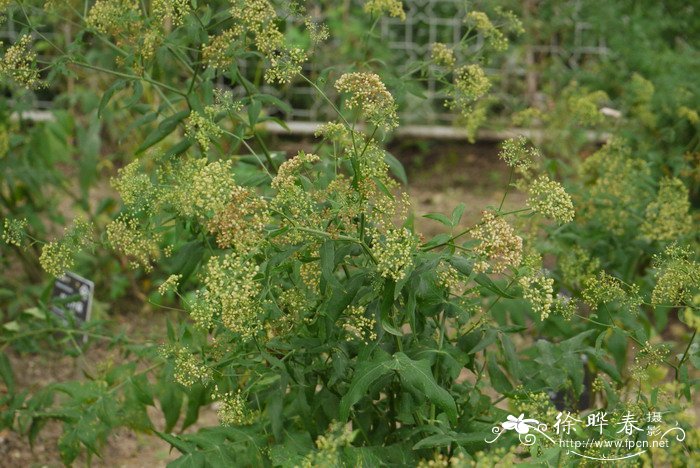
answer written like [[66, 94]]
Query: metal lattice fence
[[427, 22]]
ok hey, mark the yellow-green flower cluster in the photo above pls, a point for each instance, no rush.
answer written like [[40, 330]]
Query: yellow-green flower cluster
[[318, 32], [4, 140], [565, 306], [329, 446], [606, 289], [258, 18], [393, 8], [539, 291], [253, 14], [517, 154], [233, 409], [576, 265], [241, 223], [189, 370], [687, 113], [218, 52], [310, 273], [333, 131], [358, 325], [298, 204], [648, 358], [481, 22], [448, 277], [175, 10], [611, 178], [14, 231], [668, 217], [135, 187], [499, 247], [394, 253], [369, 94], [18, 64], [287, 173], [203, 127], [584, 106], [126, 235], [496, 457], [231, 292], [442, 55], [114, 17], [441, 460], [549, 198], [57, 257], [470, 83], [641, 93], [169, 285], [677, 277], [201, 189], [511, 20], [285, 64]]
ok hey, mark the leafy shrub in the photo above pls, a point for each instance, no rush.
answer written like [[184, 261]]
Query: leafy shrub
[[325, 327]]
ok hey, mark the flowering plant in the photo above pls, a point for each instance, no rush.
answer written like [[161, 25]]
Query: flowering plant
[[326, 329]]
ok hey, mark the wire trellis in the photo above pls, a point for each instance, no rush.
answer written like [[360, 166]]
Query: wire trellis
[[427, 22]]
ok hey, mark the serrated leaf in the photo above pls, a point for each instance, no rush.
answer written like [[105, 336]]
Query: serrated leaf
[[419, 375], [365, 375], [440, 218]]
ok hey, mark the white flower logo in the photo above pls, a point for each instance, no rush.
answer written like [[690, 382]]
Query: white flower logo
[[520, 424]]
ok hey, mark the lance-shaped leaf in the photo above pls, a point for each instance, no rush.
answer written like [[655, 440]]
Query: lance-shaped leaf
[[419, 375]]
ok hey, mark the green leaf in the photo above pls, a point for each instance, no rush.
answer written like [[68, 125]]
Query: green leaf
[[484, 281], [419, 375], [327, 252], [499, 381], [386, 306], [365, 375], [396, 167], [35, 312], [604, 365], [440, 218], [182, 445], [435, 440], [254, 109], [6, 373], [171, 404], [440, 239], [165, 128], [108, 94], [457, 214]]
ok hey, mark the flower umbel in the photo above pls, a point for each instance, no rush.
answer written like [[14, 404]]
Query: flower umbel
[[369, 94], [549, 198], [18, 64], [539, 290], [14, 231], [392, 8], [499, 246], [394, 253]]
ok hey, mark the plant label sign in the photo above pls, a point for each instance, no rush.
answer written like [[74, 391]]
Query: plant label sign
[[71, 285]]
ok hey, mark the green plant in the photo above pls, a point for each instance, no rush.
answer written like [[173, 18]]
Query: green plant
[[328, 331]]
